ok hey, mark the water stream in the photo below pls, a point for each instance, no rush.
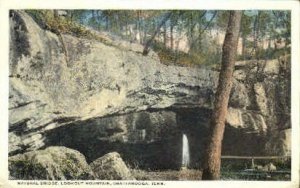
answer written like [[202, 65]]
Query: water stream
[[185, 151]]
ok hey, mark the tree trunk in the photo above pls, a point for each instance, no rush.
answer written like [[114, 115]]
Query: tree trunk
[[55, 13], [126, 28], [106, 23], [191, 31], [145, 33], [199, 40], [138, 26], [244, 47], [165, 34], [171, 35], [212, 155], [149, 42], [256, 34]]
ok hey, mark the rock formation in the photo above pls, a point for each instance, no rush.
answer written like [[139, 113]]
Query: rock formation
[[46, 91], [111, 167], [53, 163], [86, 94]]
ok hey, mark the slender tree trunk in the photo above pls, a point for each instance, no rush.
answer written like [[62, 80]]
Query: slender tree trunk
[[201, 31], [192, 37], [171, 35], [139, 26], [94, 15], [165, 34], [191, 25], [149, 42], [106, 23], [55, 13], [99, 17], [256, 33], [145, 33], [126, 28], [212, 155], [244, 47], [199, 40]]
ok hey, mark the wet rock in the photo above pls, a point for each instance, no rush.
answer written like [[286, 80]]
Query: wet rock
[[111, 167], [53, 163]]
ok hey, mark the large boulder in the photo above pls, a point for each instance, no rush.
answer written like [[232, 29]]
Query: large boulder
[[111, 167], [53, 163]]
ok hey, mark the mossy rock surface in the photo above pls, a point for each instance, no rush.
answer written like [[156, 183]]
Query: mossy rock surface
[[111, 167], [53, 163]]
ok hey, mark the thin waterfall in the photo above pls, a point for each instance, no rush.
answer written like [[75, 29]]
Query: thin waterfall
[[185, 151]]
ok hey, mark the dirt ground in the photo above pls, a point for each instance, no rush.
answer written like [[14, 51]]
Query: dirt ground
[[183, 174]]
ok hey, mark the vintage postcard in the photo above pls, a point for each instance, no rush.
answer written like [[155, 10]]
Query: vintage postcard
[[149, 94]]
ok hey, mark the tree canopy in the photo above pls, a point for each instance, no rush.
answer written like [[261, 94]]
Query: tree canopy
[[193, 37]]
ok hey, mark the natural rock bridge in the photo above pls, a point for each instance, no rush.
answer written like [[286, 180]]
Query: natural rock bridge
[[98, 98]]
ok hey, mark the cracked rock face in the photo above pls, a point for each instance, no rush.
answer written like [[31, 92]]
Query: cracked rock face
[[46, 91], [57, 81]]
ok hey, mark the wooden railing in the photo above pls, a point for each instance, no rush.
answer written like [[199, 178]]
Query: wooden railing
[[253, 157]]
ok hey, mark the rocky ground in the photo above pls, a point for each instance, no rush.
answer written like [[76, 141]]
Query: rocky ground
[[61, 163], [167, 175]]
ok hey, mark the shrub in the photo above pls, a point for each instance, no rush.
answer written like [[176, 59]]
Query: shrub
[[61, 25]]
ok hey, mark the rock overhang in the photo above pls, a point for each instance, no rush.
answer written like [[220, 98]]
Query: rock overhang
[[50, 88]]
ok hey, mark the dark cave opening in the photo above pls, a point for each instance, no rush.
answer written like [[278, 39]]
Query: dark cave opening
[[151, 140], [161, 147]]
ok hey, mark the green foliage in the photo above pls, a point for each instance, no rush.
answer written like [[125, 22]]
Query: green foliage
[[69, 168], [170, 57], [246, 25], [283, 164], [270, 27], [58, 25], [196, 25], [63, 25], [222, 19], [194, 59], [265, 54], [73, 169]]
